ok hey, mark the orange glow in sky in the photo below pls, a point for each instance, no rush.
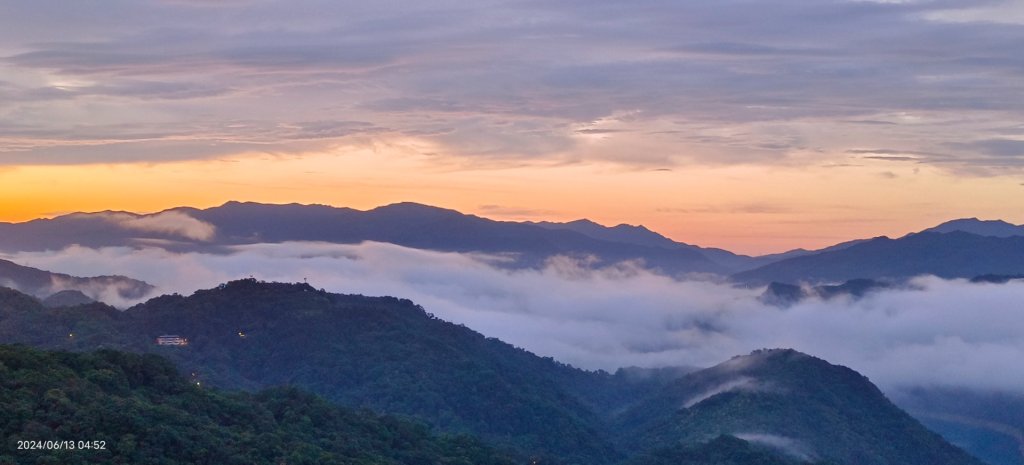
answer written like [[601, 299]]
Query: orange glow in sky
[[746, 209], [748, 129]]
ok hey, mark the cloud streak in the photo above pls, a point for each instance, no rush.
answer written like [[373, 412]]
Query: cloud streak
[[948, 333], [520, 80], [169, 222]]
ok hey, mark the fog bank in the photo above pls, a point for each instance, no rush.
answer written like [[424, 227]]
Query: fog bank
[[942, 332]]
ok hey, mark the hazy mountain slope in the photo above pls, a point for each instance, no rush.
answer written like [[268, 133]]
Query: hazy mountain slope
[[137, 409], [772, 258], [993, 228], [42, 283], [989, 442], [67, 299], [950, 255], [89, 230], [104, 229], [794, 402], [991, 424]]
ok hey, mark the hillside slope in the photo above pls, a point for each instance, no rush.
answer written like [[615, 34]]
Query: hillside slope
[[798, 404], [119, 408]]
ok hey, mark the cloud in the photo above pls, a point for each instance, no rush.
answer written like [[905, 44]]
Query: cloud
[[111, 290], [513, 211], [890, 158], [515, 81], [745, 208], [946, 333], [136, 142], [785, 444], [1003, 148], [169, 222], [598, 131], [743, 383]]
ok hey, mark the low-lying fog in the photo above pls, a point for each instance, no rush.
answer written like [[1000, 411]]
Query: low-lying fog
[[942, 332]]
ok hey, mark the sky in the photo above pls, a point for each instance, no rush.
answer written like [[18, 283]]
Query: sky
[[757, 126]]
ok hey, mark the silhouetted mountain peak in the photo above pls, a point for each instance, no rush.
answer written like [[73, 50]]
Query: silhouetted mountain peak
[[67, 298], [764, 359], [246, 286], [415, 209], [993, 228], [782, 294], [639, 228], [248, 203], [580, 222], [102, 213], [235, 205], [623, 233], [585, 222]]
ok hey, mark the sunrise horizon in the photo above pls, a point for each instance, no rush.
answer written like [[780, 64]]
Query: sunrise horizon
[[526, 215], [739, 129]]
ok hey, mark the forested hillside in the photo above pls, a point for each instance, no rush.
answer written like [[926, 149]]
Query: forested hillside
[[120, 408]]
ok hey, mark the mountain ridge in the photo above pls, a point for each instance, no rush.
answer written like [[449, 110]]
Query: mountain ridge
[[523, 244], [954, 254], [407, 224]]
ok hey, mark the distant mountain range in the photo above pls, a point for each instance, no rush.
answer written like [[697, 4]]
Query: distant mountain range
[[955, 254], [957, 249], [639, 235], [775, 406], [406, 224]]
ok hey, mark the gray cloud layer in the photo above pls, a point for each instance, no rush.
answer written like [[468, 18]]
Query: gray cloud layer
[[692, 81], [942, 333]]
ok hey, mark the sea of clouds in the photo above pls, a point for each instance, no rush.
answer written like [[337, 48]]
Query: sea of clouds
[[934, 333]]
